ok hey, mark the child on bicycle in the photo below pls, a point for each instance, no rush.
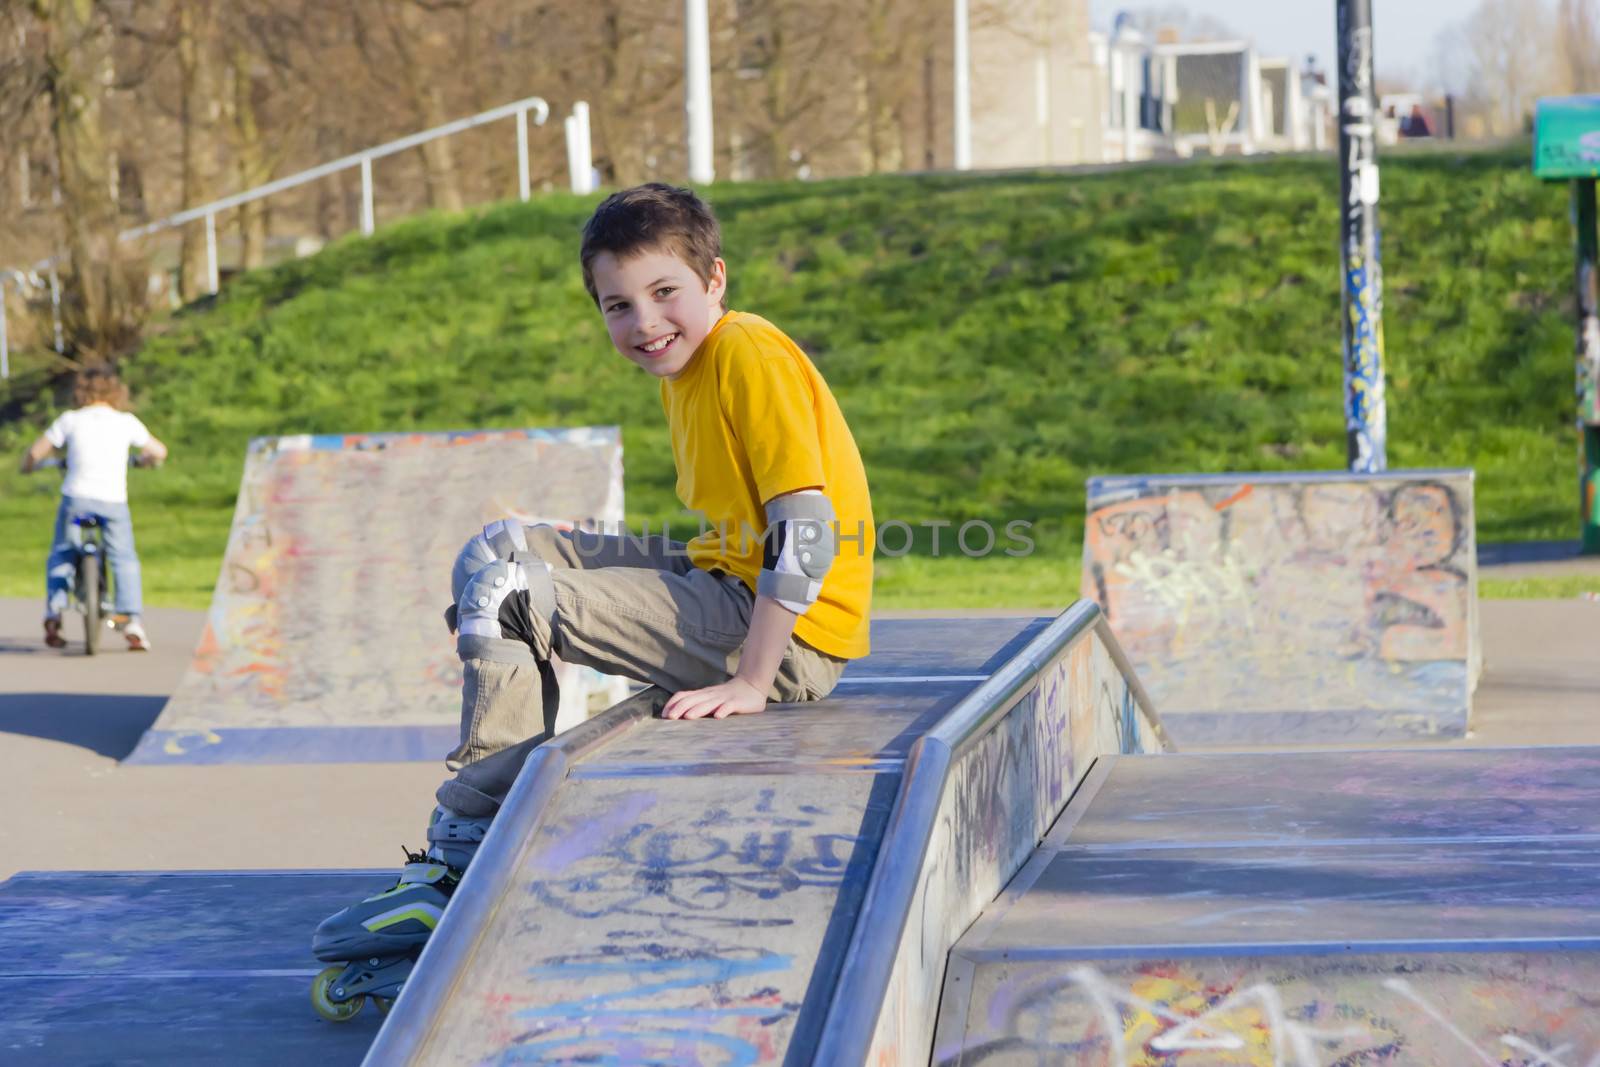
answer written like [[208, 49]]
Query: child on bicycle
[[97, 435]]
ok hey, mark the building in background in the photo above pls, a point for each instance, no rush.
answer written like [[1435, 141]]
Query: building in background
[[1173, 99], [1049, 91], [1036, 86]]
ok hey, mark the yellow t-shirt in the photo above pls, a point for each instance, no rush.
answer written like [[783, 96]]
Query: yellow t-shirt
[[751, 419]]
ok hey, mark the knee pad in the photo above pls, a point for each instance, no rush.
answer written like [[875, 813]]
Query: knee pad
[[485, 593], [501, 539], [454, 839], [478, 610]]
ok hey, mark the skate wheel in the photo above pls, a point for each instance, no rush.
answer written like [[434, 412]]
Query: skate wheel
[[335, 1011]]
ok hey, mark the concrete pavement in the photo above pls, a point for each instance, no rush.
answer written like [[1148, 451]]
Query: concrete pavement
[[66, 720]]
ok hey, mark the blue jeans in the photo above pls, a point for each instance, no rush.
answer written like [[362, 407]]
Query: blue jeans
[[120, 554]]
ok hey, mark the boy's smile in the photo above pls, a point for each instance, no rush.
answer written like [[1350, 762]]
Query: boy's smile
[[657, 310]]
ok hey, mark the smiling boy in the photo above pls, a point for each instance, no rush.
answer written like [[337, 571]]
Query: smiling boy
[[768, 603], [758, 440]]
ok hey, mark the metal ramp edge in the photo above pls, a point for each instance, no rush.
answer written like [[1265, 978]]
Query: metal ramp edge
[[980, 791]]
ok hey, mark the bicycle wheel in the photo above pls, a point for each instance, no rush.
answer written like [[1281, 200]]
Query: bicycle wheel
[[90, 590]]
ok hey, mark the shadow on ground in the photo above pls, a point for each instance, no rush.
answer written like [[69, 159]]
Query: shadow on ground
[[1500, 553], [35, 648], [108, 725]]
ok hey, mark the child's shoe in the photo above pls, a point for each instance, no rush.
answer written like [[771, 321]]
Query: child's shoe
[[138, 640], [52, 633]]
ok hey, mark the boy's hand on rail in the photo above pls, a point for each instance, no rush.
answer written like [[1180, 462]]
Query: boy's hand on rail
[[733, 697]]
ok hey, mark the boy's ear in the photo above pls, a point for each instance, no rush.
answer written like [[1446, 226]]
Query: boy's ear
[[717, 284]]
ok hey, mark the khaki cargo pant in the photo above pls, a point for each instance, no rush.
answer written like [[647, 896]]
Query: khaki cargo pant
[[634, 607]]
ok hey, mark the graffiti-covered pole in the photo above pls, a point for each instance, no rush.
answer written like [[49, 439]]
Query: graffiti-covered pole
[[1583, 217], [1365, 417]]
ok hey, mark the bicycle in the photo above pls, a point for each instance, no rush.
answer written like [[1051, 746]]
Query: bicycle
[[92, 590]]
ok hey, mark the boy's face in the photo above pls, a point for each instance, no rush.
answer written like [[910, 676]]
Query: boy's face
[[656, 308]]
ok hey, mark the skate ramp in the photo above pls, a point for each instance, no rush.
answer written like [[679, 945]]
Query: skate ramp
[[777, 888], [1433, 908], [325, 640], [1285, 608]]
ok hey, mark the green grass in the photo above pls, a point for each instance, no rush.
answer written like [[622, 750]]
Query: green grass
[[1549, 588], [993, 340]]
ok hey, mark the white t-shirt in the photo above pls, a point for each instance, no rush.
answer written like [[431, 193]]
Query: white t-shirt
[[97, 439]]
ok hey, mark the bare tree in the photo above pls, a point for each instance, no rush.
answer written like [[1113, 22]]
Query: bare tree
[[102, 286], [267, 101], [199, 127], [782, 51], [1578, 29], [1496, 60]]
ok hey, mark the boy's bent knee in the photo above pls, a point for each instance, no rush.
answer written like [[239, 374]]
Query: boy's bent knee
[[501, 539], [507, 613], [503, 594]]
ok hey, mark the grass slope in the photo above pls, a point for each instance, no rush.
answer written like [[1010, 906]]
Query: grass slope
[[993, 340]]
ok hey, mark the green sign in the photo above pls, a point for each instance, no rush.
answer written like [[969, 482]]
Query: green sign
[[1566, 137]]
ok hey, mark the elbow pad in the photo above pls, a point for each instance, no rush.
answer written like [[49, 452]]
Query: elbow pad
[[800, 546]]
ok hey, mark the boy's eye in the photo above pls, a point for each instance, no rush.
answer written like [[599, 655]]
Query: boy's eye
[[618, 306], [666, 291]]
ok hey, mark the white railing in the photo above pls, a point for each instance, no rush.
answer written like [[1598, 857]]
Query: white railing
[[579, 171]]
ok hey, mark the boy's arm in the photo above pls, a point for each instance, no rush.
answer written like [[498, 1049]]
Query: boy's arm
[[771, 625], [772, 621], [153, 451], [36, 453]]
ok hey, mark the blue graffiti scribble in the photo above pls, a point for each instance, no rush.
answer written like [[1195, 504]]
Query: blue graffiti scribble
[[689, 974], [1365, 413], [740, 1053], [1128, 724], [610, 1032]]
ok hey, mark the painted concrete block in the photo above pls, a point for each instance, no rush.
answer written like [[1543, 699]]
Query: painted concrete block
[[1271, 608], [1297, 910]]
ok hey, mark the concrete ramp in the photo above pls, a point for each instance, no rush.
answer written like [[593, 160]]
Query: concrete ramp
[[1285, 608], [1428, 908], [325, 639], [778, 888]]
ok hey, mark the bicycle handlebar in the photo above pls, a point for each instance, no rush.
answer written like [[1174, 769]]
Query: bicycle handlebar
[[57, 463]]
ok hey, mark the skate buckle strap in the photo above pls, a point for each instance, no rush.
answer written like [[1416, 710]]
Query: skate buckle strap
[[423, 873]]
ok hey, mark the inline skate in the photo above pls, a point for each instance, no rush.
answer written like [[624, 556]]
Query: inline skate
[[374, 944]]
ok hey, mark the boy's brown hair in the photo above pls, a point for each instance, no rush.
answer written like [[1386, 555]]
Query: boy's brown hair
[[654, 217], [99, 384]]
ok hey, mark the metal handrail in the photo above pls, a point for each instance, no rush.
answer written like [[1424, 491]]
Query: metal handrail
[[868, 965], [577, 136], [363, 159]]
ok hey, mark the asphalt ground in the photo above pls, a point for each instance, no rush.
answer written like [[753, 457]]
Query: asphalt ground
[[66, 719]]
